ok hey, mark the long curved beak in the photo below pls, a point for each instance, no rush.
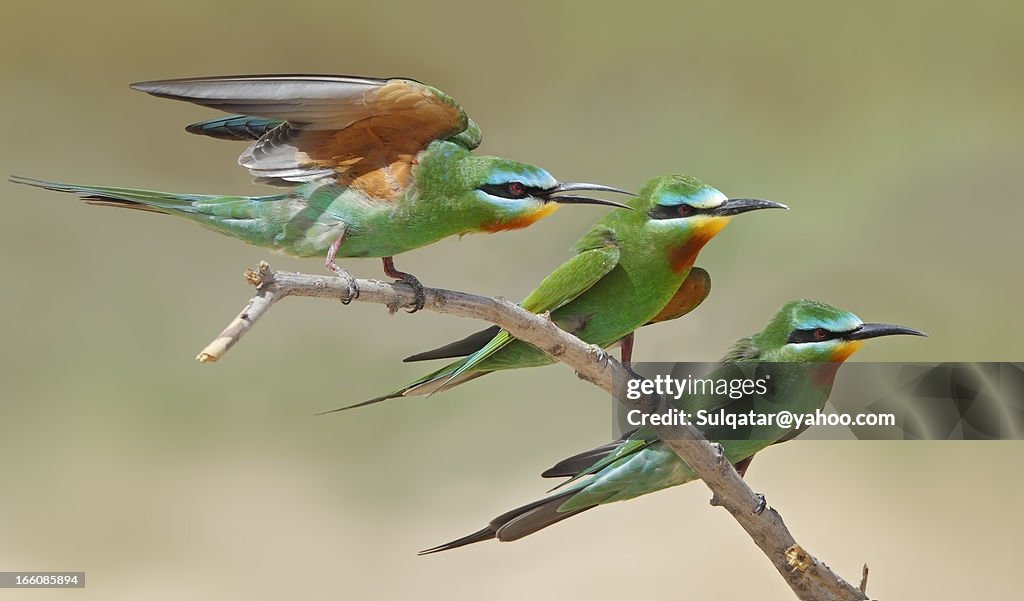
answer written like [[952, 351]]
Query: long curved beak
[[874, 330], [735, 206], [549, 195]]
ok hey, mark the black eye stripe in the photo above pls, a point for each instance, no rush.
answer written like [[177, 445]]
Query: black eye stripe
[[663, 212], [504, 191], [813, 335]]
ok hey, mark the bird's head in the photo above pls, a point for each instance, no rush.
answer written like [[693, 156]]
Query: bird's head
[[810, 331], [512, 195], [687, 213]]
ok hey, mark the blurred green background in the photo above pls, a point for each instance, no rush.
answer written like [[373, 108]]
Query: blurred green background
[[893, 130]]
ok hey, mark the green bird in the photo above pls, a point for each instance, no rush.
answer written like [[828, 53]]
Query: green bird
[[376, 167], [814, 334], [627, 272]]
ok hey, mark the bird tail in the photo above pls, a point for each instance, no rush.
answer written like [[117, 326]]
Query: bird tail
[[253, 219], [427, 385], [460, 348], [571, 467], [517, 523], [146, 200]]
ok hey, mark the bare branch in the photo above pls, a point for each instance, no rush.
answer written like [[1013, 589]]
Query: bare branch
[[809, 578], [253, 310]]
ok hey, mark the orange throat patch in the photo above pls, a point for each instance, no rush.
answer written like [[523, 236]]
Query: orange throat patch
[[683, 256], [845, 350], [523, 221]]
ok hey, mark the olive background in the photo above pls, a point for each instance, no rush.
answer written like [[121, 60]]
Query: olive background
[[891, 129]]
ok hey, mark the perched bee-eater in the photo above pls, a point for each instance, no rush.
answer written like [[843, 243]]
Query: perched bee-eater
[[803, 332], [691, 293], [627, 272], [377, 166]]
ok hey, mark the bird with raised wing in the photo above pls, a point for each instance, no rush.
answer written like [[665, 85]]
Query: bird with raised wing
[[376, 167]]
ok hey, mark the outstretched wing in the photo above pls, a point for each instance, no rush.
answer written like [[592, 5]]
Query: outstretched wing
[[364, 132]]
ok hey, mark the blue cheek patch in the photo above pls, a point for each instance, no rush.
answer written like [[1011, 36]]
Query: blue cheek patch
[[533, 177], [839, 323], [705, 198]]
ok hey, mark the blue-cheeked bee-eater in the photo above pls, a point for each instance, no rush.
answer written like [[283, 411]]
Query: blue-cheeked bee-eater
[[632, 268], [375, 167], [806, 341]]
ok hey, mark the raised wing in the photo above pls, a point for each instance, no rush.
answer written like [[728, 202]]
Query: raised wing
[[364, 132]]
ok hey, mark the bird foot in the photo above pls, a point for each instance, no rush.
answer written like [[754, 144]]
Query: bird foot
[[600, 354], [348, 280], [762, 503], [417, 288], [407, 278]]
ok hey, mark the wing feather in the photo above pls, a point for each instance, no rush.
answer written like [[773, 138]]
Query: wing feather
[[561, 286], [365, 132]]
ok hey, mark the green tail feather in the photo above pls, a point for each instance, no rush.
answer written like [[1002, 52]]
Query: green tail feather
[[443, 372], [248, 218], [427, 385], [160, 201]]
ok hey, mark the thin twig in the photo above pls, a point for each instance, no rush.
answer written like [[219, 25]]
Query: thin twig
[[266, 296], [809, 578]]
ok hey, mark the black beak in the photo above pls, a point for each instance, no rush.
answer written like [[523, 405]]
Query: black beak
[[549, 195], [874, 330], [735, 206]]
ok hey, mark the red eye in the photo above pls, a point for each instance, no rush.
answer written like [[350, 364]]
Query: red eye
[[516, 189], [686, 210], [821, 334]]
